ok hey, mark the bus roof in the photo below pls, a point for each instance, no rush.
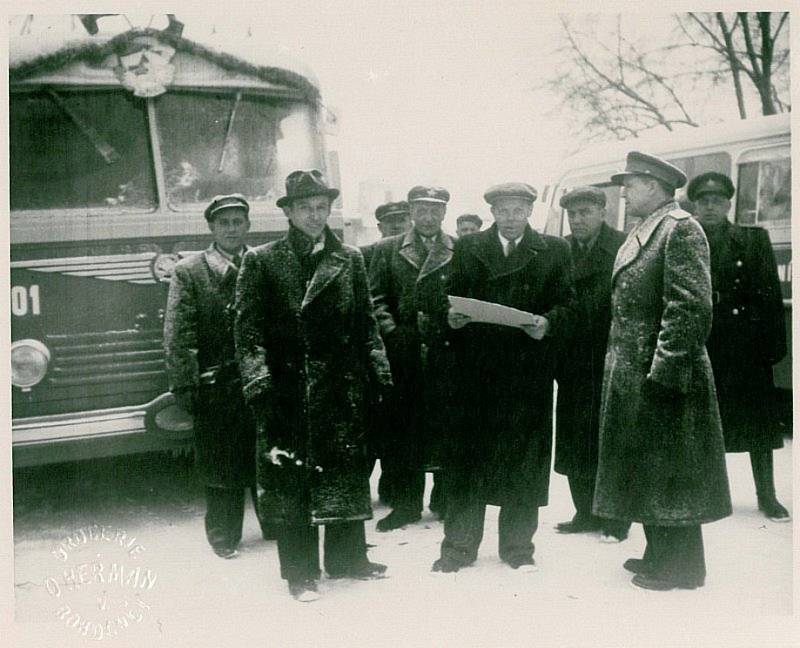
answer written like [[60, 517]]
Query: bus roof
[[666, 142], [33, 54]]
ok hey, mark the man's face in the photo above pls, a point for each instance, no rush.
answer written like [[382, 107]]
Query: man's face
[[511, 215], [467, 227], [585, 219], [393, 225], [309, 215], [229, 229], [712, 208], [638, 194], [427, 217]]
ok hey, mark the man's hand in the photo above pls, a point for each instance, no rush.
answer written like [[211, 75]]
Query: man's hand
[[457, 320], [538, 329]]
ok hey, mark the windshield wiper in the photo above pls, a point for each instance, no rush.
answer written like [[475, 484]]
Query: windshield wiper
[[228, 131], [103, 148]]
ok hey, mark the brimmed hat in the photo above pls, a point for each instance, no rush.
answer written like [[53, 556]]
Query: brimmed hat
[[583, 194], [642, 164], [510, 190], [390, 209], [470, 218], [226, 201], [304, 184], [710, 183], [421, 193]]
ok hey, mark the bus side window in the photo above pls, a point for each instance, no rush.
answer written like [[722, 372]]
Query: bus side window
[[764, 192]]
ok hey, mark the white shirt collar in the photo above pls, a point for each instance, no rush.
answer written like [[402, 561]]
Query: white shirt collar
[[504, 241]]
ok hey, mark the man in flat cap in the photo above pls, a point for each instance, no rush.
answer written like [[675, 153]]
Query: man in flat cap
[[468, 224], [393, 218], [499, 447], [198, 341], [408, 275], [311, 357], [662, 457], [748, 334], [594, 246]]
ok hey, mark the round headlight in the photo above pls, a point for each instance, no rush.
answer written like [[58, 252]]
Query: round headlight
[[163, 266], [29, 360]]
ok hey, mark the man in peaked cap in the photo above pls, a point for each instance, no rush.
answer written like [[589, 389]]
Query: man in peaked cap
[[662, 457], [499, 446], [198, 340], [311, 358], [594, 246], [408, 275], [468, 224], [747, 290], [393, 218]]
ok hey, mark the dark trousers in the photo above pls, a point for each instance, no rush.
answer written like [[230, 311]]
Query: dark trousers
[[763, 473], [676, 553], [407, 489], [224, 516], [582, 490], [345, 548], [463, 528]]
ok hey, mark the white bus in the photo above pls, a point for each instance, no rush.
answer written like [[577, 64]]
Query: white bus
[[755, 153]]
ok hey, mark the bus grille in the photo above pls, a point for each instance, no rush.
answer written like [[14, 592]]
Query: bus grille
[[102, 358]]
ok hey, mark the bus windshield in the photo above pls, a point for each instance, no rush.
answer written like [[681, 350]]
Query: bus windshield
[[77, 149], [227, 142]]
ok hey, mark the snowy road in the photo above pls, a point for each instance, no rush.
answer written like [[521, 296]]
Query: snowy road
[[183, 595]]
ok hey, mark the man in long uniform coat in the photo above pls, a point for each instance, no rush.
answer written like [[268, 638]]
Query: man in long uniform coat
[[311, 357], [408, 275], [499, 446], [594, 247], [198, 340], [748, 335], [393, 219], [662, 458]]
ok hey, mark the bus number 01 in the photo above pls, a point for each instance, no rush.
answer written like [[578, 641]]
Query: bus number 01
[[21, 297]]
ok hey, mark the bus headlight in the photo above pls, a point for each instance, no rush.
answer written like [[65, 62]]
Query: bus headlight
[[29, 360]]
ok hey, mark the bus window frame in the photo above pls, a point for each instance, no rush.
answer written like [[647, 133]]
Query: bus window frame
[[741, 158]]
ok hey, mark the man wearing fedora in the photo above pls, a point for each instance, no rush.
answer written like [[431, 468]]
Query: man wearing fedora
[[408, 275], [662, 456], [198, 341], [748, 334], [311, 358], [594, 246], [499, 446]]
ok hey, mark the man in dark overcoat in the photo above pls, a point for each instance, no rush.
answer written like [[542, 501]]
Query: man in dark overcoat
[[311, 358], [594, 246], [408, 275], [662, 457], [748, 334], [198, 341], [499, 446], [393, 218]]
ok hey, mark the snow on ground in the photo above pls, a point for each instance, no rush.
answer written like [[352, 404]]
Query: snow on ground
[[580, 596]]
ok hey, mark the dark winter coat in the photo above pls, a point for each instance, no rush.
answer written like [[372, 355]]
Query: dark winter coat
[[662, 458], [198, 341], [408, 290], [311, 357], [367, 251], [501, 445], [748, 335], [582, 357]]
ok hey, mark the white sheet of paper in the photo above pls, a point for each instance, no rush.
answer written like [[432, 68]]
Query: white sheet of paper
[[488, 312]]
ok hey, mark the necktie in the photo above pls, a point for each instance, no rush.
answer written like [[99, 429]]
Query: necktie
[[237, 260], [428, 242], [512, 245]]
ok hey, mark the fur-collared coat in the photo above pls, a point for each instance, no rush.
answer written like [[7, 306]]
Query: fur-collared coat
[[310, 357], [500, 446], [408, 288], [748, 336], [662, 458], [200, 357], [582, 356]]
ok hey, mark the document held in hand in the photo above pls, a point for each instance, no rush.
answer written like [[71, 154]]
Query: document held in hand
[[490, 313]]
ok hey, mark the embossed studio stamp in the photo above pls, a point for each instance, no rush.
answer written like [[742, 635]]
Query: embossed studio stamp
[[102, 584]]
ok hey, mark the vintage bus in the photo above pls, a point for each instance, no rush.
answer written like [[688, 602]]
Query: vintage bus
[[117, 143], [755, 153]]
